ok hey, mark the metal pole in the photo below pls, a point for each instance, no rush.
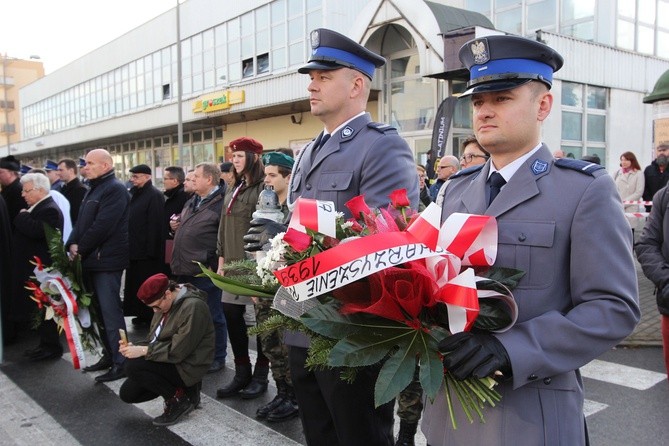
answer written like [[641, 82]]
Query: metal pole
[[180, 124]]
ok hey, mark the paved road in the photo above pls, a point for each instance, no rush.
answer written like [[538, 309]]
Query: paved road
[[51, 404]]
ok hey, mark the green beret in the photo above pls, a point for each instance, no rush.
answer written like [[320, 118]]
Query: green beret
[[278, 159]]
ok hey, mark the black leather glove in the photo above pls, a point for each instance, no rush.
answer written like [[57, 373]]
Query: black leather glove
[[261, 232], [474, 354]]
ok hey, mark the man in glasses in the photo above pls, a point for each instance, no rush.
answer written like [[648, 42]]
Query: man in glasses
[[472, 153], [177, 353], [448, 165]]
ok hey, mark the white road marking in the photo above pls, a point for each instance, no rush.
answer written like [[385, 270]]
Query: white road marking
[[622, 375]]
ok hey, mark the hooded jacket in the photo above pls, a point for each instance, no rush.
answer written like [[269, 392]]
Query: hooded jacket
[[186, 338]]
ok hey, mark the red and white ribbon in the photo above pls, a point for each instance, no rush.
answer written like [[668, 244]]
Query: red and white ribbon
[[645, 203], [317, 215], [60, 294], [471, 238]]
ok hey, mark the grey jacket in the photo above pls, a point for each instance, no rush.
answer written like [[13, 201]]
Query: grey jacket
[[362, 158], [565, 227], [195, 239]]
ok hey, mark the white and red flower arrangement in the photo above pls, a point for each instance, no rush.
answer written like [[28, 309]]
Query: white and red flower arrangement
[[60, 295], [385, 287]]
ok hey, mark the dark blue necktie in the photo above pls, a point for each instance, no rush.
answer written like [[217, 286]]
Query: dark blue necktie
[[495, 183], [324, 139]]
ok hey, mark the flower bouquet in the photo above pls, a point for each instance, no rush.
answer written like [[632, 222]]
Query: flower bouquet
[[60, 295], [385, 287]]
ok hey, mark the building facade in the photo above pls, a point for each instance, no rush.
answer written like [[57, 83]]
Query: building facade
[[14, 74], [237, 76]]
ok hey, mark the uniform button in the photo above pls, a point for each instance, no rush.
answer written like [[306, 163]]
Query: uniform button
[[333, 185], [522, 237], [547, 381], [532, 377], [308, 186]]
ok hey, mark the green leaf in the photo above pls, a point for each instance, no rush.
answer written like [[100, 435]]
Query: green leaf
[[234, 286], [395, 375], [509, 277], [431, 368], [369, 346], [493, 315], [326, 320]]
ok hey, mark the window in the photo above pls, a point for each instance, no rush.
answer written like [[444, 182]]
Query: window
[[584, 120]]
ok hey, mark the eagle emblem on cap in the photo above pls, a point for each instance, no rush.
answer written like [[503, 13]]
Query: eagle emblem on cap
[[480, 51], [315, 39]]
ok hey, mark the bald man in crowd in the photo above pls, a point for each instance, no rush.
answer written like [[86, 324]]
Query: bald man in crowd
[[100, 238]]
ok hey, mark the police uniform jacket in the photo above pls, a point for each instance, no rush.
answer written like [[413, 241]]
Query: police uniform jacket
[[562, 223], [361, 158]]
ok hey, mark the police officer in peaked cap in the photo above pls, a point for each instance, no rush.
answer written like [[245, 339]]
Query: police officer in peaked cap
[[578, 295], [351, 156], [332, 51], [498, 63]]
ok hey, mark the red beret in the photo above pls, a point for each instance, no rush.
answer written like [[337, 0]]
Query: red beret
[[247, 145], [153, 288]]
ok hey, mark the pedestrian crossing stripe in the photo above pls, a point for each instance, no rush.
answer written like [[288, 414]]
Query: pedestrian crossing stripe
[[622, 375]]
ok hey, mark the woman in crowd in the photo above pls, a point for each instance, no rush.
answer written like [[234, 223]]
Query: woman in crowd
[[630, 183], [238, 207]]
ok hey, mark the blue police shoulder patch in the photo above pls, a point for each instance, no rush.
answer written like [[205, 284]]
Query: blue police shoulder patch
[[346, 132], [381, 127], [467, 171], [539, 167], [579, 166]]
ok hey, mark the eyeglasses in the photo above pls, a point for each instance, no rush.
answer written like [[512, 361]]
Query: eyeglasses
[[444, 167], [468, 157], [27, 191]]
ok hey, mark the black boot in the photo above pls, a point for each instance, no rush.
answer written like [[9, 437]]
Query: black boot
[[263, 411], [258, 384], [176, 407], [241, 379], [287, 409], [193, 394], [406, 434]]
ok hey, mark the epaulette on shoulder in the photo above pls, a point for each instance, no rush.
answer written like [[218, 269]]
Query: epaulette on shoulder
[[467, 171], [579, 166], [381, 127]]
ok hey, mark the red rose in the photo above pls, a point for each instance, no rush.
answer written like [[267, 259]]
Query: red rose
[[356, 227], [399, 198], [297, 240], [398, 294], [358, 206]]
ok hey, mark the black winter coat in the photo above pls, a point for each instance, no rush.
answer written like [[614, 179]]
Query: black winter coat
[[102, 227], [75, 192], [146, 223], [29, 240], [175, 199], [13, 199]]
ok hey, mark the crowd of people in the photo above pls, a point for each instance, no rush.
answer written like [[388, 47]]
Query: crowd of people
[[577, 281]]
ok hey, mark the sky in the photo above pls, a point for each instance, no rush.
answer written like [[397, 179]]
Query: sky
[[61, 31]]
